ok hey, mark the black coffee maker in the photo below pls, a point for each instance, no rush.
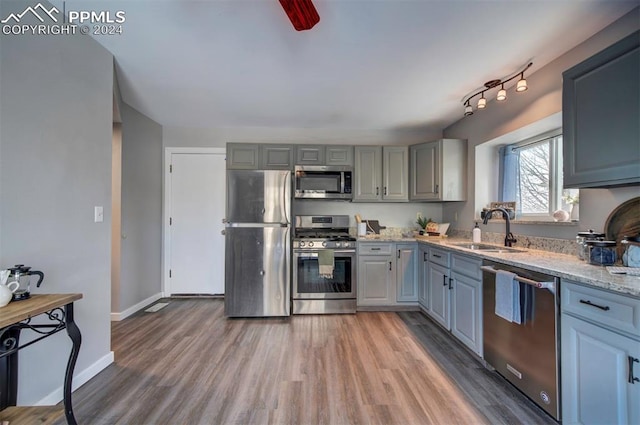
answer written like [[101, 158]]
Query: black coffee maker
[[22, 274]]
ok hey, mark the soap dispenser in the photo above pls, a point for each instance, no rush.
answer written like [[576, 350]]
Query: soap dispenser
[[477, 234]]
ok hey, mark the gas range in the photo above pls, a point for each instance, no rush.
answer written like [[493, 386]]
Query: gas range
[[328, 243], [325, 262], [322, 231]]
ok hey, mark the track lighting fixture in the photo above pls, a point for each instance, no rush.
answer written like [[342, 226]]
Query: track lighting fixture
[[522, 83], [482, 102], [468, 110], [502, 93]]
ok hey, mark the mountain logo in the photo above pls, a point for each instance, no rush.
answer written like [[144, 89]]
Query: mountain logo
[[34, 11]]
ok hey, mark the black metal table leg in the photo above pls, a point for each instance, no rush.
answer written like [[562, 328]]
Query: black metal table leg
[[9, 367], [76, 339]]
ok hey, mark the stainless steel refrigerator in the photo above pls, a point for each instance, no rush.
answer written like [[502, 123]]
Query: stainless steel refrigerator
[[257, 243]]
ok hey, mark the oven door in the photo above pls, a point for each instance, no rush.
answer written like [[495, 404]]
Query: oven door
[[308, 283]]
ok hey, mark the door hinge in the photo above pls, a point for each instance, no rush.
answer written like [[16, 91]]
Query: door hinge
[[169, 273], [171, 168]]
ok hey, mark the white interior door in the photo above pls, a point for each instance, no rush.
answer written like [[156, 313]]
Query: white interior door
[[196, 197]]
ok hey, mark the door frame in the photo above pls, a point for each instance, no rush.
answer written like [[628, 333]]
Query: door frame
[[166, 195]]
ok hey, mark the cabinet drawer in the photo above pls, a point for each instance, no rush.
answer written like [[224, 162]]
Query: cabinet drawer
[[618, 312], [466, 266], [375, 248], [439, 256]]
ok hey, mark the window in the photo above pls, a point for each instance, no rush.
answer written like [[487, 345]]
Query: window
[[531, 175]]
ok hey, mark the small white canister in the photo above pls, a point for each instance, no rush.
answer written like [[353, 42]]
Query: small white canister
[[362, 229]]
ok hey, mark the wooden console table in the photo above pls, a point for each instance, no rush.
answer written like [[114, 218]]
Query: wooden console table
[[15, 317]]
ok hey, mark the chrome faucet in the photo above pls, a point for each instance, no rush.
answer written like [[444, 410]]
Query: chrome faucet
[[509, 239]]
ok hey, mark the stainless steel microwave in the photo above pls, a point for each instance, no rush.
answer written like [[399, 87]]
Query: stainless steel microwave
[[323, 182]]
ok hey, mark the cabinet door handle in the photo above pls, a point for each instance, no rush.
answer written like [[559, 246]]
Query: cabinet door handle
[[437, 187], [450, 283], [424, 257], [398, 253], [632, 379], [436, 255], [375, 249], [385, 191], [390, 262], [377, 191], [601, 307], [444, 280]]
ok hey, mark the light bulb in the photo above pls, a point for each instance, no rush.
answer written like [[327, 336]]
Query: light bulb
[[502, 94], [482, 103]]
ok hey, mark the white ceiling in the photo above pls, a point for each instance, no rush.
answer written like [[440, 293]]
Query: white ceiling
[[368, 64]]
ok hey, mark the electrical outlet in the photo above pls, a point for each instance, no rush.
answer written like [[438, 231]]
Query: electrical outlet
[[455, 216]]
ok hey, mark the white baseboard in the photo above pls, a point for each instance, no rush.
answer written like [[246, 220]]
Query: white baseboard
[[79, 379], [116, 317]]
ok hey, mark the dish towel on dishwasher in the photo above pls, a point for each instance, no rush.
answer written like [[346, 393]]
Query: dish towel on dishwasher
[[508, 296], [325, 263]]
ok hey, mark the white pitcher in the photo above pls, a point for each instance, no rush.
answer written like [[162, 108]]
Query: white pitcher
[[6, 292]]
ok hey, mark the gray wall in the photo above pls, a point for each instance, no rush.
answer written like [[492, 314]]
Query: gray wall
[[55, 139], [543, 99], [141, 243]]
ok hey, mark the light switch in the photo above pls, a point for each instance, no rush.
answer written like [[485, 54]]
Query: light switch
[[98, 215]]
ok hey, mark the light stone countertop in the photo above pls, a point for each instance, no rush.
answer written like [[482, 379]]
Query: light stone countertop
[[561, 265]]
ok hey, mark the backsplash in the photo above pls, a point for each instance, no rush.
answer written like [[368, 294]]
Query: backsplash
[[561, 246]]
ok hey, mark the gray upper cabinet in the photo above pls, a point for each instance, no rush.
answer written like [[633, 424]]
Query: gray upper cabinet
[[310, 155], [367, 173], [243, 156], [324, 155], [395, 172], [276, 157], [381, 173], [339, 155], [438, 171], [600, 110], [257, 156]]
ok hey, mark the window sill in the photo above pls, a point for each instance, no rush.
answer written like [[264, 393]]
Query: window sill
[[536, 222]]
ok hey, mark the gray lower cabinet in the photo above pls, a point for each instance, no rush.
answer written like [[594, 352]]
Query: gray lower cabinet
[[259, 156], [439, 286], [376, 274], [381, 173], [600, 358], [438, 171], [450, 291], [466, 301], [407, 272], [387, 273], [600, 124], [423, 276]]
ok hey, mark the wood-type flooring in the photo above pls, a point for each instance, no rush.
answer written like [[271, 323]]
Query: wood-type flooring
[[188, 364]]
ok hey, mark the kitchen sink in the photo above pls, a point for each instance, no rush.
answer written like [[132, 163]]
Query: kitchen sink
[[486, 247]]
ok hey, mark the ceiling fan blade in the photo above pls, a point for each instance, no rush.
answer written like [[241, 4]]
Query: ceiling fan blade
[[302, 13]]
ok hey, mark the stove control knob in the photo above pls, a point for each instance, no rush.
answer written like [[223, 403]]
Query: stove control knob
[[346, 244], [338, 244], [310, 244], [301, 244], [324, 243]]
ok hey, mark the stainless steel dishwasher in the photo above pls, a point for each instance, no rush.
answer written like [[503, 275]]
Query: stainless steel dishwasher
[[526, 354]]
